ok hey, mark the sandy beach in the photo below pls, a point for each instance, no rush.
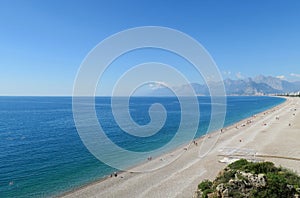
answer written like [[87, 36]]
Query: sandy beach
[[271, 135]]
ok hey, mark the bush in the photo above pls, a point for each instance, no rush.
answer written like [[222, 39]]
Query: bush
[[277, 187], [261, 167], [280, 182], [225, 176], [238, 165], [206, 184], [291, 177], [206, 192]]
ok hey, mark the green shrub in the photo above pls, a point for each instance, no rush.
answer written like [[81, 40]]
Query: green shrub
[[280, 182], [276, 187], [206, 192], [225, 177], [204, 185], [291, 177], [236, 194], [238, 165], [261, 167]]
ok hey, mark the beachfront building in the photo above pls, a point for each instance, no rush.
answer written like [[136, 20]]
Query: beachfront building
[[292, 94]]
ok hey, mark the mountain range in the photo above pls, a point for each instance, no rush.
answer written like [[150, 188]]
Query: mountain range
[[259, 85]]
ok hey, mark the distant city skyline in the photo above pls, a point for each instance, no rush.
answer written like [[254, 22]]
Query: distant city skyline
[[43, 43]]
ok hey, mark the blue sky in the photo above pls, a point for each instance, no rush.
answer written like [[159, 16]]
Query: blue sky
[[42, 43]]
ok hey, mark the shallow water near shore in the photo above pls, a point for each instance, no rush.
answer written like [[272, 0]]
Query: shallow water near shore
[[42, 155]]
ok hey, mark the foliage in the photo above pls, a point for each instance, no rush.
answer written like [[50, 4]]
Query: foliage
[[280, 182], [256, 168], [206, 192], [225, 177], [238, 165], [277, 187], [206, 184]]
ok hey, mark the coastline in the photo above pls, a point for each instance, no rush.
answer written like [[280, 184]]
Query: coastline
[[107, 184], [113, 184]]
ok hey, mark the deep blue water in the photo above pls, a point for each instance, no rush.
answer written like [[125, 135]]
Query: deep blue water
[[41, 154]]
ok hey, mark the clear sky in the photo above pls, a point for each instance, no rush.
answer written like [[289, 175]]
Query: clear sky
[[42, 43]]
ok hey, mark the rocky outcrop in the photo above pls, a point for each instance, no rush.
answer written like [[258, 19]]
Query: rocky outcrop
[[242, 183], [248, 179]]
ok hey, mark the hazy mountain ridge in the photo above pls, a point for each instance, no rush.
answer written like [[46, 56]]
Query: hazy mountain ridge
[[259, 85]]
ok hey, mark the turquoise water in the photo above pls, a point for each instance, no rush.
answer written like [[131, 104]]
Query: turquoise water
[[41, 154]]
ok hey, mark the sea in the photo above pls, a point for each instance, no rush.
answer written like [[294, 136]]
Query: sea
[[42, 155]]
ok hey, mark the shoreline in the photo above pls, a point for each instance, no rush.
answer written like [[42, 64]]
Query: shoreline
[[181, 149]]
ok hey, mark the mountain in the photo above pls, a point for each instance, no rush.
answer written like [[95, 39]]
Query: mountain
[[259, 85], [278, 84], [247, 87], [273, 82]]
